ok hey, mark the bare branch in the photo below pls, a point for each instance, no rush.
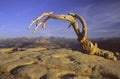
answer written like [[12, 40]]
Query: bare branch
[[87, 45], [44, 23], [38, 18], [84, 26], [37, 25]]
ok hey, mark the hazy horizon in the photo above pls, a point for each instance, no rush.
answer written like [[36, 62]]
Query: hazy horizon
[[102, 17]]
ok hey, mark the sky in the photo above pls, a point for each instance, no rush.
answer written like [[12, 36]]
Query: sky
[[102, 17]]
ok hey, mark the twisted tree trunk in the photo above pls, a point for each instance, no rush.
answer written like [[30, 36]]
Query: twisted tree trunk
[[87, 45]]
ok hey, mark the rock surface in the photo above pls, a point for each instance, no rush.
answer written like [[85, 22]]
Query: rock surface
[[61, 63]]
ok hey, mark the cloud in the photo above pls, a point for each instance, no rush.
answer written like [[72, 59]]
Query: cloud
[[104, 18], [105, 13]]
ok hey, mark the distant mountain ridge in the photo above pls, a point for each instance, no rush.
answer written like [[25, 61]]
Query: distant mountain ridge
[[112, 44]]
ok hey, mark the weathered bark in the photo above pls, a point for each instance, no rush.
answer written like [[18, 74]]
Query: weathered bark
[[87, 45], [71, 17]]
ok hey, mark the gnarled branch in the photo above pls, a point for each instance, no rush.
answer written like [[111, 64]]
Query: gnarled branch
[[68, 17], [87, 45]]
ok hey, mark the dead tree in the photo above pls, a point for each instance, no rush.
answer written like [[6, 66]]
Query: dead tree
[[87, 45]]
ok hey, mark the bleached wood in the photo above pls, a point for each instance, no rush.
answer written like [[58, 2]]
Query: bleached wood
[[87, 45]]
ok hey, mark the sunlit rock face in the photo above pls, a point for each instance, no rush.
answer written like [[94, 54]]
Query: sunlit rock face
[[51, 59]]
